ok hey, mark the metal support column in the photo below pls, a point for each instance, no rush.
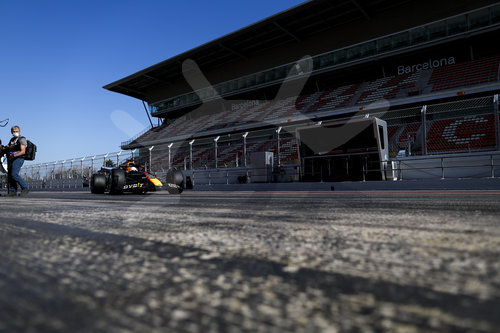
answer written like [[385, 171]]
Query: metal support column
[[133, 155], [92, 166], [191, 154], [150, 158], [245, 148], [169, 158], [81, 167], [497, 124], [216, 157], [63, 171], [118, 158], [424, 130], [278, 157]]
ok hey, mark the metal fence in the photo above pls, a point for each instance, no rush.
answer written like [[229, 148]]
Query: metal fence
[[469, 125], [470, 165], [425, 131], [80, 167]]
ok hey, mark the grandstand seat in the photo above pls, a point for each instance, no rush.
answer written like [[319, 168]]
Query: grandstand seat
[[464, 74], [277, 109], [457, 134], [374, 90], [388, 87], [249, 114], [334, 98], [462, 134]]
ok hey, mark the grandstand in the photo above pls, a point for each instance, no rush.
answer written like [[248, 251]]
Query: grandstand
[[436, 64]]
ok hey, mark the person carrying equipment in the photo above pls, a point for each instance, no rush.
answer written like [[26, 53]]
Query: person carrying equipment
[[15, 151]]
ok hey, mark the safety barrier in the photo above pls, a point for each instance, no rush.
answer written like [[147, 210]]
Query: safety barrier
[[68, 184], [456, 166], [474, 165]]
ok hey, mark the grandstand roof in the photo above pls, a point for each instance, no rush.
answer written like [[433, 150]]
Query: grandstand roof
[[290, 26]]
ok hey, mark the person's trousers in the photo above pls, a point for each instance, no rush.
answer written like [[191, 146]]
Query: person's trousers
[[14, 168]]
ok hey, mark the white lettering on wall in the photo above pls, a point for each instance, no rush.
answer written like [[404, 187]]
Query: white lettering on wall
[[430, 64]]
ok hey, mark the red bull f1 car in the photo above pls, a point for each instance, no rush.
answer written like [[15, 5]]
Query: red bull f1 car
[[127, 178]]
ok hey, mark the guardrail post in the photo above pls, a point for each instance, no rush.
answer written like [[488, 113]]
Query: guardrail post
[[400, 171], [118, 157], [133, 155], [245, 148], [209, 179], [278, 157], [191, 154], [71, 170], [442, 167], [424, 130], [364, 172], [169, 159], [497, 124], [81, 166], [151, 158], [227, 177], [92, 170], [492, 163], [63, 171], [215, 146]]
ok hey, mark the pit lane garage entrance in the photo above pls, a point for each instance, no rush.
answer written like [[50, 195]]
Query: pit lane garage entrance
[[353, 150]]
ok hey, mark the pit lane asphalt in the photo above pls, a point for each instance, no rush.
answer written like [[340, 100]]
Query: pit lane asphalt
[[247, 262]]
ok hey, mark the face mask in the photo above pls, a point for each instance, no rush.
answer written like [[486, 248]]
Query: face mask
[[15, 134]]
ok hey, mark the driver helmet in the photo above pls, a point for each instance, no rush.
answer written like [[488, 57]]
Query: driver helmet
[[130, 166]]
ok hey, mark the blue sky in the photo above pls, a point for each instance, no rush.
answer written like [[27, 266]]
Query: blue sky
[[55, 56]]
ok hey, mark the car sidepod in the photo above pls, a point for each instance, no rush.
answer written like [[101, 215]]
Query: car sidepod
[[154, 183]]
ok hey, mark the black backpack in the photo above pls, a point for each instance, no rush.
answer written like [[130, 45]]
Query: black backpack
[[30, 152]]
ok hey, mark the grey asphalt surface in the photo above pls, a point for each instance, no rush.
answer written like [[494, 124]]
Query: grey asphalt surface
[[251, 262]]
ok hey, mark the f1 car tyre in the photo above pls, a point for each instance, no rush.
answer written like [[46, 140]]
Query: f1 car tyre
[[175, 176], [117, 181], [98, 183], [174, 189], [174, 181]]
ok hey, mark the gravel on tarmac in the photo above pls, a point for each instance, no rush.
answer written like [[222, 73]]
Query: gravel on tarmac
[[251, 262]]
